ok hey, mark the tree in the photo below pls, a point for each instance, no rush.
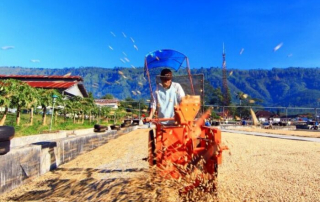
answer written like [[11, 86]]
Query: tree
[[7, 91], [89, 106], [33, 102], [108, 96], [15, 93], [24, 97], [74, 106], [216, 97], [241, 96], [46, 100], [104, 111], [209, 94]]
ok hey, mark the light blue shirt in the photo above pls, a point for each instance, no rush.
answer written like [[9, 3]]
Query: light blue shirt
[[164, 100]]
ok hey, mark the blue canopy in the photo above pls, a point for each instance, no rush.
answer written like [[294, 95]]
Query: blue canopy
[[165, 58]]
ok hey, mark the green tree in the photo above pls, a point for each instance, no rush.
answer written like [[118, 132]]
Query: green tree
[[73, 105], [33, 101], [241, 96], [23, 99], [108, 96], [15, 93], [216, 98], [89, 106], [46, 100], [7, 92]]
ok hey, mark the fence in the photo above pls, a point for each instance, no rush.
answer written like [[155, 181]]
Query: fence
[[284, 113]]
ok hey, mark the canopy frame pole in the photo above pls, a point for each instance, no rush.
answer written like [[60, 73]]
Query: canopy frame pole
[[146, 69], [190, 77]]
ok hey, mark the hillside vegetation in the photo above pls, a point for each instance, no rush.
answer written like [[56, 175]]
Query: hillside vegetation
[[292, 87]]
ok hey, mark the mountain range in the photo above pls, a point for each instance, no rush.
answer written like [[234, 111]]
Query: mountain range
[[287, 87]]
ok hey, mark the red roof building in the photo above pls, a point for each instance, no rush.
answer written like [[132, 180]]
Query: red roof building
[[266, 115], [66, 85], [113, 103]]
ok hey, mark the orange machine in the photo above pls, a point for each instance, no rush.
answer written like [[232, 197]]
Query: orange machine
[[177, 149], [186, 147]]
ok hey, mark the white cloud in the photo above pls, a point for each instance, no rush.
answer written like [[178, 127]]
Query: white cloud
[[34, 60], [7, 47]]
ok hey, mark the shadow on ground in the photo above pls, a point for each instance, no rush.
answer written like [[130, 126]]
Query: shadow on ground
[[77, 184]]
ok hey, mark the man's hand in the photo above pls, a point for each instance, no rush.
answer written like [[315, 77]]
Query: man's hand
[[148, 119]]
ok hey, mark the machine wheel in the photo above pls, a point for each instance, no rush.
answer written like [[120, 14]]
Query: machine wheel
[[6, 133], [4, 147], [151, 149], [216, 169]]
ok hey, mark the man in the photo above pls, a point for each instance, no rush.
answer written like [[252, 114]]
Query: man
[[270, 123], [167, 95]]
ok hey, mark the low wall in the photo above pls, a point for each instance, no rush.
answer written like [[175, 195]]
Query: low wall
[[19, 165], [36, 156], [21, 141]]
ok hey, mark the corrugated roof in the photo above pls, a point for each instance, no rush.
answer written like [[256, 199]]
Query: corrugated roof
[[51, 84], [266, 114], [106, 101], [78, 78]]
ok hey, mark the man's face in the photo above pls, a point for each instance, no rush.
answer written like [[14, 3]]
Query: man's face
[[166, 80]]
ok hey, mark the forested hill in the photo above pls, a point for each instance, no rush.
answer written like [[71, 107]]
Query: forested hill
[[292, 86]]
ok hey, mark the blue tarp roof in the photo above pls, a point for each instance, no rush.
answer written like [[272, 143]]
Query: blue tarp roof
[[165, 58]]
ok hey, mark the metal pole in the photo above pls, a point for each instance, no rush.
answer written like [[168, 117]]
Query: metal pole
[[139, 110], [240, 109], [54, 100], [287, 115], [225, 118]]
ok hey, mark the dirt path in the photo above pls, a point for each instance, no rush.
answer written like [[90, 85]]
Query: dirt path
[[269, 169], [300, 133], [254, 169], [97, 175]]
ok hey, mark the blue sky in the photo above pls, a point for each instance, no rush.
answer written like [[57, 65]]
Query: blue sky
[[110, 33]]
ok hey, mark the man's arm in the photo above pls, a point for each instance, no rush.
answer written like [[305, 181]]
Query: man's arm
[[152, 110], [180, 92]]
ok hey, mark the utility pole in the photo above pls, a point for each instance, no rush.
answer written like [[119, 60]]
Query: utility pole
[[54, 97], [226, 97], [139, 111]]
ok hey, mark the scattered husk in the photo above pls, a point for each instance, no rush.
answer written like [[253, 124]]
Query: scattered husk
[[254, 169]]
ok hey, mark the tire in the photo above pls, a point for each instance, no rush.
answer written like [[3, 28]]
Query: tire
[[4, 147], [96, 126], [115, 127], [151, 149], [6, 133], [216, 169]]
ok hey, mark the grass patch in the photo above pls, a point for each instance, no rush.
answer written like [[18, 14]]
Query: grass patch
[[25, 129]]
